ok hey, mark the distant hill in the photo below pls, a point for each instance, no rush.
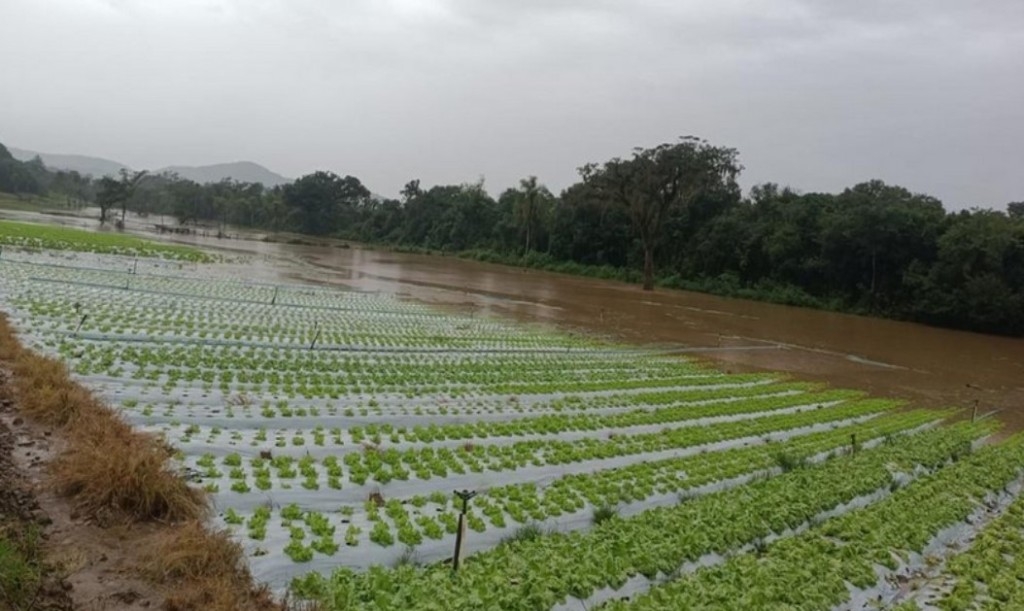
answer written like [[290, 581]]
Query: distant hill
[[94, 166], [243, 171]]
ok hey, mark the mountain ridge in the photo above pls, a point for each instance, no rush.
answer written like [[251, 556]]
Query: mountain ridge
[[242, 171]]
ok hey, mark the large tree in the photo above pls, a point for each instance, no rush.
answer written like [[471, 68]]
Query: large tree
[[15, 176], [107, 196], [324, 203], [872, 234], [113, 192], [129, 183], [654, 181], [532, 200]]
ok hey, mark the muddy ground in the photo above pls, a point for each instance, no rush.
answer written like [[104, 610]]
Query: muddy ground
[[85, 566]]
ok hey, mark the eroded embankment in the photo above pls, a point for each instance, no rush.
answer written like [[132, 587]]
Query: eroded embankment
[[117, 526]]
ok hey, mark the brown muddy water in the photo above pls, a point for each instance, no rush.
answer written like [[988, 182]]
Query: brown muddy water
[[928, 366]]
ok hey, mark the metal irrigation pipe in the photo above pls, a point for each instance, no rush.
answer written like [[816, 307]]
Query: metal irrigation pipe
[[460, 534]]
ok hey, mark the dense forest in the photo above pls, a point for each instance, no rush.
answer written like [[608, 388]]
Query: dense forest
[[671, 215]]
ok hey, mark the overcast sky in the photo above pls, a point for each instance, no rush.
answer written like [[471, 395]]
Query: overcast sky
[[816, 94]]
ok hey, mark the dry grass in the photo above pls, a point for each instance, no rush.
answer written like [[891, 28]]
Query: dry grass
[[45, 390], [114, 473], [107, 468], [208, 569], [376, 498]]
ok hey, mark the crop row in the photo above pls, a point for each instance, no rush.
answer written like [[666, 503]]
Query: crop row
[[382, 408], [206, 288], [813, 570], [153, 360], [206, 311], [384, 465], [27, 235], [413, 519], [159, 315], [410, 333], [987, 576], [529, 573], [543, 424]]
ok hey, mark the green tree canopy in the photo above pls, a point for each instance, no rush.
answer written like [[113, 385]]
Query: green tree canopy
[[324, 203], [655, 181]]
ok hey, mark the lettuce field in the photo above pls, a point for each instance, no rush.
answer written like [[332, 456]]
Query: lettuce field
[[333, 427]]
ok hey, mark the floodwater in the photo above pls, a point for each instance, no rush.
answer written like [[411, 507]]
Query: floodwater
[[928, 366]]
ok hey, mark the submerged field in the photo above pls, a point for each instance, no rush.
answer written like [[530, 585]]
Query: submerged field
[[332, 427]]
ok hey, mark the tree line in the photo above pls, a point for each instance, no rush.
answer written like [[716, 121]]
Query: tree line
[[671, 215]]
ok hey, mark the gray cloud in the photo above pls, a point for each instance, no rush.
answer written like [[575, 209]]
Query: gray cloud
[[817, 94]]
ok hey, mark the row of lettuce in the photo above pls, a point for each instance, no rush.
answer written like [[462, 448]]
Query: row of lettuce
[[52, 237], [809, 569]]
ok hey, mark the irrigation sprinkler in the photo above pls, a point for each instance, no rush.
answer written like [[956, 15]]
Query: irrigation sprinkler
[[135, 266], [977, 404], [974, 412], [460, 535], [81, 322], [316, 336], [273, 300]]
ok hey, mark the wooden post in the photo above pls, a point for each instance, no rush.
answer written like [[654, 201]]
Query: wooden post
[[974, 414]]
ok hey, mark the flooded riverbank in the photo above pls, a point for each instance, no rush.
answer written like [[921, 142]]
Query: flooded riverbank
[[928, 366]]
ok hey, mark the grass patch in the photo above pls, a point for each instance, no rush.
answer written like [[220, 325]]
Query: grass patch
[[207, 569], [20, 570], [408, 558], [788, 462], [526, 532], [29, 235], [31, 203], [604, 513]]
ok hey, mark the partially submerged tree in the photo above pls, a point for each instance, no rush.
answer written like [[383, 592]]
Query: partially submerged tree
[[654, 181], [107, 196], [113, 192]]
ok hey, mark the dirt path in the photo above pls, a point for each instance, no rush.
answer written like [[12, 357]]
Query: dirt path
[[86, 567]]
